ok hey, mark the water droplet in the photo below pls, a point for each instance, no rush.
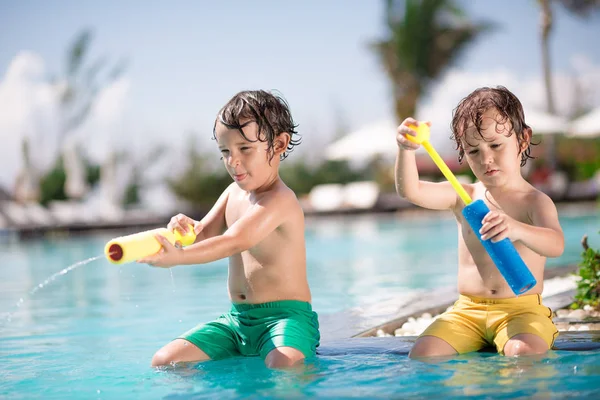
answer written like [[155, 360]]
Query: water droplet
[[57, 274], [136, 306], [98, 391], [180, 321]]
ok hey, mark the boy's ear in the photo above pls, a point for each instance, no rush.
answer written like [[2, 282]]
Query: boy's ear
[[281, 142], [527, 134]]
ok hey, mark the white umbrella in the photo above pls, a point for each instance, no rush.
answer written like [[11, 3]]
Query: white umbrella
[[549, 125], [545, 124], [587, 125], [372, 140], [379, 139]]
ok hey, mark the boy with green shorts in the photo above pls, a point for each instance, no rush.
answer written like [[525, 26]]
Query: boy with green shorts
[[258, 223]]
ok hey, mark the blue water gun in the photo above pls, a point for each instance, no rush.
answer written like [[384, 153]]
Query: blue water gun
[[503, 253]]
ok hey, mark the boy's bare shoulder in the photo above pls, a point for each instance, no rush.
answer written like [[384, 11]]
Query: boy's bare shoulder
[[476, 189], [536, 200], [231, 188], [281, 197], [536, 196]]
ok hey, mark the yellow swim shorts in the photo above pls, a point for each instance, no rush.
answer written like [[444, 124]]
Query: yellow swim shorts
[[474, 323]]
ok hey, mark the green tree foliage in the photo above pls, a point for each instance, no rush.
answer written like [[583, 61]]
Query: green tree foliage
[[132, 194], [581, 8], [92, 173], [301, 178], [588, 287], [138, 180], [78, 88], [424, 38], [52, 184], [204, 179], [82, 81], [578, 157], [201, 183]]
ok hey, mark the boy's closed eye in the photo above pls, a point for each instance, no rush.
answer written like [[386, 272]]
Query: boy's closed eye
[[493, 146]]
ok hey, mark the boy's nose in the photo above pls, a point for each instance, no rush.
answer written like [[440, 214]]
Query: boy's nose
[[232, 161], [487, 157]]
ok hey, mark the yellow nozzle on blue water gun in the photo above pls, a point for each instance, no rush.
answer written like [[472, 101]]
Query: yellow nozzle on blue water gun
[[422, 138], [129, 248]]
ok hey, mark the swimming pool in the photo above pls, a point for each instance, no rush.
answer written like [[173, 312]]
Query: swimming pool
[[91, 332]]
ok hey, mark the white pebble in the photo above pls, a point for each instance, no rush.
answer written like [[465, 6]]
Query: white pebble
[[584, 328], [577, 314], [562, 313]]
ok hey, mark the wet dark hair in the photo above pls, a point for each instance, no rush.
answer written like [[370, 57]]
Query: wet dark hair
[[471, 109], [270, 112]]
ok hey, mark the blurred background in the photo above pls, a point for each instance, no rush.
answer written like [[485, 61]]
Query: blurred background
[[106, 117], [107, 108]]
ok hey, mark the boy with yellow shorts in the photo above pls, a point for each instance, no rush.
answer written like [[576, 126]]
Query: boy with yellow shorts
[[491, 134]]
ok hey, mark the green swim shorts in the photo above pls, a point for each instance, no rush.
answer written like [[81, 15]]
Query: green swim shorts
[[256, 329]]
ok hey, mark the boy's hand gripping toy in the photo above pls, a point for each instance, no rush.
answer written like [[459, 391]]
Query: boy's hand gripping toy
[[503, 253], [129, 248]]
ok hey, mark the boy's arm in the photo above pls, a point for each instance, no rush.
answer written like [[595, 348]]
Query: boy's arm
[[544, 236], [258, 222], [213, 223], [436, 196]]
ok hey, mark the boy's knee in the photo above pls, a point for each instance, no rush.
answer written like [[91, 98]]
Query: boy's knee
[[161, 358], [284, 357], [431, 346], [524, 345]]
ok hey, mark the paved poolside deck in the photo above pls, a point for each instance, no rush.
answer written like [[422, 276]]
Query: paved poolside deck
[[391, 314], [354, 330], [568, 341]]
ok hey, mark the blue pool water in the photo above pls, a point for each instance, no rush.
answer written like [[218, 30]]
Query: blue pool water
[[91, 332]]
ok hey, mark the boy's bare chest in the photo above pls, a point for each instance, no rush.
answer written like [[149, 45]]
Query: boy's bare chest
[[235, 212], [238, 205], [513, 208], [512, 204]]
